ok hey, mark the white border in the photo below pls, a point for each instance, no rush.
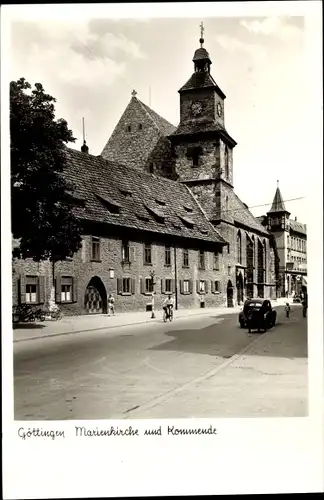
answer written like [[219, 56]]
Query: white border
[[248, 455]]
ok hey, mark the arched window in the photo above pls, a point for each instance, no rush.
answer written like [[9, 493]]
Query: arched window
[[265, 259], [239, 247], [226, 162]]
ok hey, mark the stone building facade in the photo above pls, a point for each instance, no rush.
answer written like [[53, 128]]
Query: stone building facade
[[159, 214], [291, 242]]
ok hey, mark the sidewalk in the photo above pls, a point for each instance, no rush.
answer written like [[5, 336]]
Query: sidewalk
[[87, 323]]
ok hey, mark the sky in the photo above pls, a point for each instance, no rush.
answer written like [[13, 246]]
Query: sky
[[91, 66]]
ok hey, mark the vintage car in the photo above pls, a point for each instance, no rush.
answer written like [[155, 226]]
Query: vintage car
[[257, 314]]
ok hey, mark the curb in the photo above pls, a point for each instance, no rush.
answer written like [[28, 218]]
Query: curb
[[106, 327]]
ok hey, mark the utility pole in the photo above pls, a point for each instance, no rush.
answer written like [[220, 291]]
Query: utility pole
[[175, 277]]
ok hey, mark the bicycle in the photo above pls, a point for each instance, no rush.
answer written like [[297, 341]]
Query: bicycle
[[168, 314]]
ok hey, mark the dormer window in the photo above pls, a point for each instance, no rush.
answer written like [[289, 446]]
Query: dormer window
[[140, 126]]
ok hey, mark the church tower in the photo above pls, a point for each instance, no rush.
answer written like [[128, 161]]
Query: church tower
[[203, 150], [278, 225]]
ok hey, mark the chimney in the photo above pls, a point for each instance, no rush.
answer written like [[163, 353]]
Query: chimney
[[295, 219]]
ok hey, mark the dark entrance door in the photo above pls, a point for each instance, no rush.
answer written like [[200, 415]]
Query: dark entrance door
[[95, 299], [230, 302], [239, 287]]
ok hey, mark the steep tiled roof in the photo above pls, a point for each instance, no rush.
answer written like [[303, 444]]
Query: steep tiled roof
[[297, 226], [242, 215], [101, 183], [278, 203], [202, 80], [165, 127]]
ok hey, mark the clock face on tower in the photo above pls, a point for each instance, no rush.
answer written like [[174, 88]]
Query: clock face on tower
[[196, 108], [219, 109]]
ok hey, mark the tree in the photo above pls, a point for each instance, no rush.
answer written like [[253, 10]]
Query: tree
[[41, 198]]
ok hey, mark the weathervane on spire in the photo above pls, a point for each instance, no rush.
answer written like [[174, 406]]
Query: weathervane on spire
[[134, 93], [277, 184], [202, 29]]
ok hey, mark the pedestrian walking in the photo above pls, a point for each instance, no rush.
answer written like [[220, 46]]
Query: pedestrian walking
[[111, 305], [287, 309]]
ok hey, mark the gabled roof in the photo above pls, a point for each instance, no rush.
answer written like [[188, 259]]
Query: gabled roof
[[136, 134], [278, 203], [163, 125], [202, 80], [242, 215], [93, 174]]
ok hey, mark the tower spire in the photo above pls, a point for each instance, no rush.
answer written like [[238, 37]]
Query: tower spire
[[278, 205]]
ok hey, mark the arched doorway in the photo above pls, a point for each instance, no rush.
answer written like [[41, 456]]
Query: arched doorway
[[95, 298], [230, 301], [239, 288]]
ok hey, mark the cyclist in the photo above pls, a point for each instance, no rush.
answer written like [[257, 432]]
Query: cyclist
[[168, 305]]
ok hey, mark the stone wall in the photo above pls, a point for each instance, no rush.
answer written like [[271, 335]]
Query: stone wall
[[82, 269]]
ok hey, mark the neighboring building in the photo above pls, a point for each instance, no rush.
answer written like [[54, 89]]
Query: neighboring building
[[160, 202], [291, 243]]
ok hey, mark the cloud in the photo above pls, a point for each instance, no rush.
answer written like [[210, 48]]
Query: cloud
[[278, 26], [231, 44]]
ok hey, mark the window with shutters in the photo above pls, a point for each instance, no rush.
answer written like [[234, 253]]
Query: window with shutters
[[95, 248], [201, 259], [31, 289], [186, 287], [125, 252], [148, 285], [216, 261], [126, 285], [147, 253], [167, 256], [202, 288], [168, 285], [185, 257], [66, 289]]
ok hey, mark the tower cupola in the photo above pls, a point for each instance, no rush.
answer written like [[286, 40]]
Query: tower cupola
[[201, 57]]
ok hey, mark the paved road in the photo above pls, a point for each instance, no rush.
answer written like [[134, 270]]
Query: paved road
[[203, 366]]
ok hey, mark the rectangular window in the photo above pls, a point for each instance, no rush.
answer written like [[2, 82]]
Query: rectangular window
[[148, 285], [31, 293], [216, 261], [201, 287], [168, 286], [185, 258], [201, 259], [217, 287], [147, 254], [66, 289], [126, 285], [186, 288], [125, 251], [167, 256], [95, 248], [66, 293]]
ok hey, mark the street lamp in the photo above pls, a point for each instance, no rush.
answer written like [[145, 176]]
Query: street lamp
[[152, 274]]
